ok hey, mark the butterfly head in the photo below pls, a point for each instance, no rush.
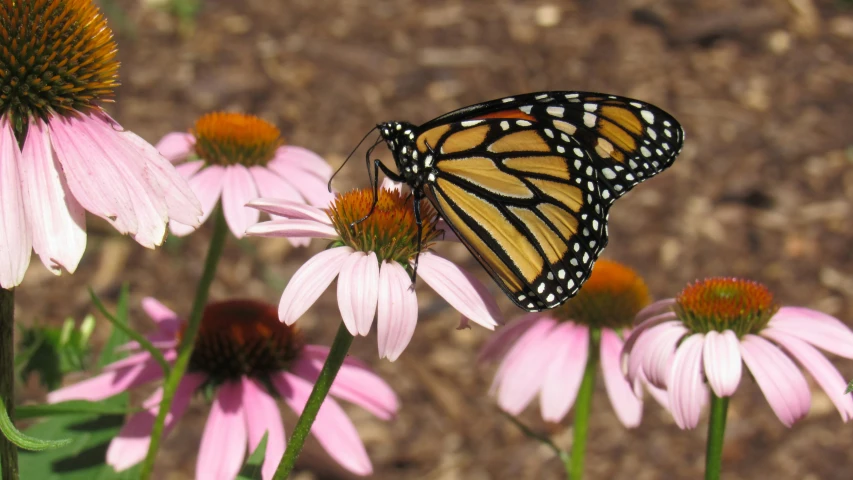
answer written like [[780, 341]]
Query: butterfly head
[[401, 140]]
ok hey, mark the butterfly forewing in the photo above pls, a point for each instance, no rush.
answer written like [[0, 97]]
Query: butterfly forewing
[[528, 211], [526, 181]]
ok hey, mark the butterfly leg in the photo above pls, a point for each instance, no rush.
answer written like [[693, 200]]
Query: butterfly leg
[[377, 165], [419, 223]]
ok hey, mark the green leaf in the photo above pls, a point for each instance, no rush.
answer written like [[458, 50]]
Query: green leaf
[[251, 470], [25, 441], [52, 352], [849, 387], [84, 458], [67, 408]]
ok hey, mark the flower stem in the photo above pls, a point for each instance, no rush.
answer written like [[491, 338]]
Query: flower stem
[[337, 355], [8, 450], [716, 431], [561, 454], [583, 405], [185, 350]]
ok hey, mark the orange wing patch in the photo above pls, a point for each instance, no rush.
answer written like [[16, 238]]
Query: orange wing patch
[[431, 136], [553, 246], [522, 141], [623, 117], [569, 195], [483, 172], [551, 166], [508, 114], [464, 139], [563, 220]]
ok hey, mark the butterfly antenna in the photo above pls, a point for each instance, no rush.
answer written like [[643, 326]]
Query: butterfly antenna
[[329, 186]]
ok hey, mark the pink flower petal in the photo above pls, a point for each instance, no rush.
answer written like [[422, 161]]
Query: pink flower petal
[[207, 186], [290, 156], [654, 351], [397, 313], [312, 187], [826, 375], [117, 175], [819, 329], [238, 190], [646, 324], [163, 316], [223, 443], [271, 185], [355, 383], [497, 344], [628, 407], [778, 378], [533, 335], [460, 289], [290, 209], [135, 370], [262, 416], [176, 146], [654, 309], [723, 365], [309, 282], [332, 428], [57, 219], [131, 444], [562, 357], [188, 169], [358, 291], [291, 228], [687, 390], [15, 236]]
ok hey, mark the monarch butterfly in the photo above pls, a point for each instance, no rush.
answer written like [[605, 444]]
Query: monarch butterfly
[[526, 182]]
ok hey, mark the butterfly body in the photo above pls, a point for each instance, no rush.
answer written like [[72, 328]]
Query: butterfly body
[[526, 182]]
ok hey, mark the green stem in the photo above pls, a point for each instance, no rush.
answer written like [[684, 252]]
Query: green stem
[[185, 350], [583, 406], [716, 431], [337, 355], [8, 450], [543, 439]]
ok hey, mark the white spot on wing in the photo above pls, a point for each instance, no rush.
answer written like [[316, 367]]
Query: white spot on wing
[[648, 116], [555, 111], [589, 119]]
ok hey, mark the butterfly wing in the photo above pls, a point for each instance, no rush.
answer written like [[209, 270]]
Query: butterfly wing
[[526, 182]]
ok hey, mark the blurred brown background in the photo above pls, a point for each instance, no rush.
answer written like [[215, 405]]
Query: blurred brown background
[[763, 189]]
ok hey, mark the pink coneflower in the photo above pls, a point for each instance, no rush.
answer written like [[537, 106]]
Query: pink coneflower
[[372, 259], [700, 338], [60, 153], [548, 352], [239, 158], [249, 359]]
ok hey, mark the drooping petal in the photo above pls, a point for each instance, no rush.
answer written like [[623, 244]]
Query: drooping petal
[[292, 228], [497, 344], [312, 187], [654, 309], [309, 282], [778, 377], [639, 329], [136, 370], [262, 416], [176, 146], [562, 357], [16, 240], [163, 316], [826, 375], [397, 312], [460, 289], [223, 443], [238, 190], [131, 444], [332, 428], [723, 365], [358, 291], [207, 186], [355, 383], [821, 330], [628, 407], [534, 335], [290, 156], [57, 219], [654, 351], [687, 390], [271, 185], [290, 209]]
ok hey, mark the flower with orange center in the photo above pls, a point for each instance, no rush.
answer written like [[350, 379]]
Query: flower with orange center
[[60, 153], [372, 257], [547, 352], [238, 158], [702, 337], [245, 359]]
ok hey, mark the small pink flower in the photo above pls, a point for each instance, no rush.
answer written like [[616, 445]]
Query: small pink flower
[[62, 155], [241, 348], [370, 261], [240, 158], [547, 353], [701, 339]]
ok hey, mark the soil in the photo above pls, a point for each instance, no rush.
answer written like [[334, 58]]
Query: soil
[[762, 189]]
